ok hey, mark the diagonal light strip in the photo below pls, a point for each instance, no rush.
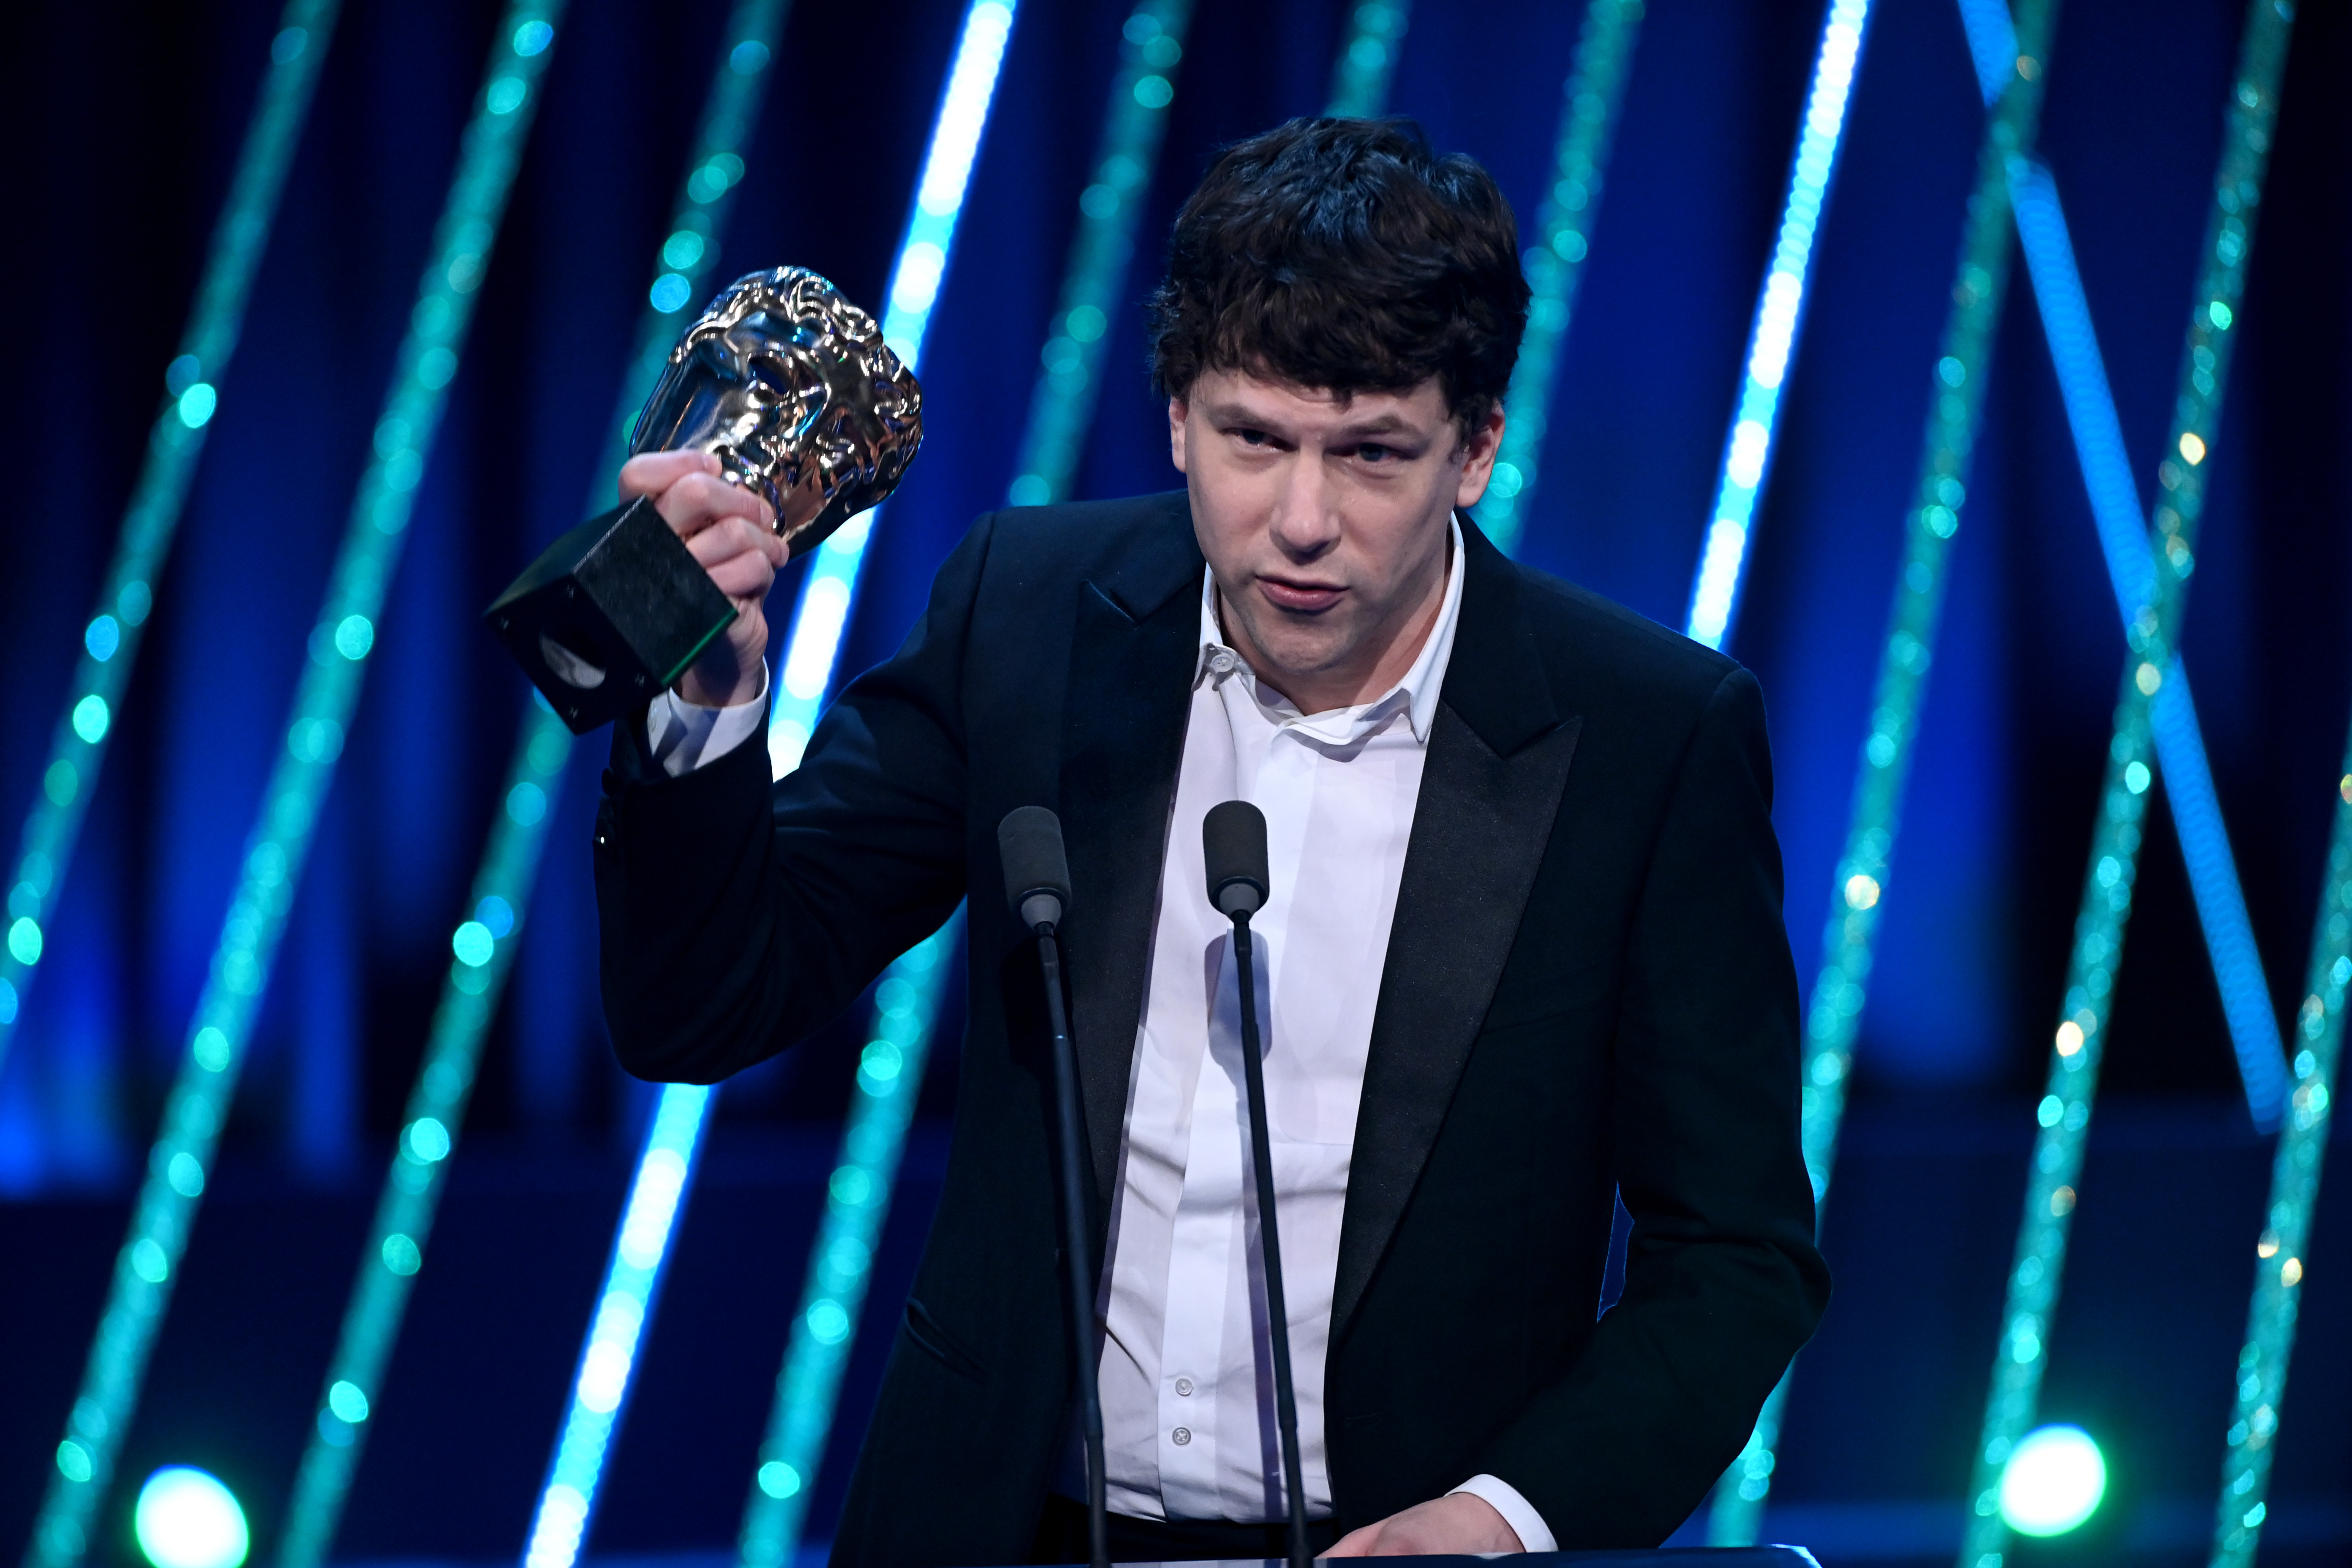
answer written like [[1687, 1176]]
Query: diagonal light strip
[[181, 1159], [2065, 1112], [2179, 745], [608, 1355], [1956, 401], [1773, 341], [2287, 1220], [833, 1292], [110, 640], [1367, 62], [820, 618], [1589, 100], [1062, 403], [484, 941], [1061, 409]]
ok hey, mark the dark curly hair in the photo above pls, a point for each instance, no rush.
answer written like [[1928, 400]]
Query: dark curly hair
[[1345, 255]]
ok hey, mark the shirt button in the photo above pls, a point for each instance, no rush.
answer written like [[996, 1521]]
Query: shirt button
[[1182, 1435], [1184, 1387], [1222, 662]]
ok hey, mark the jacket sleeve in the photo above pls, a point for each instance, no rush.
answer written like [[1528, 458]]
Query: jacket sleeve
[[1723, 1283], [736, 917]]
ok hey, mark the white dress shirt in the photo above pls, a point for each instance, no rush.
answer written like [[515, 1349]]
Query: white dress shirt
[[1186, 1370]]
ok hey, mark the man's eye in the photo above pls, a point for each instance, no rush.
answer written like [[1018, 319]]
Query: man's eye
[[1251, 437], [1373, 452]]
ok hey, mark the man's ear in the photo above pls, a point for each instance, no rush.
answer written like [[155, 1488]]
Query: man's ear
[[1478, 458], [1177, 409]]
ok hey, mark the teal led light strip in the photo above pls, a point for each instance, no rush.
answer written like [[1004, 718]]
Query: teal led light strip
[[1367, 62], [857, 1202], [2295, 1191], [820, 618], [1956, 392], [665, 1165], [339, 647], [509, 864], [2065, 1110], [110, 640], [1773, 341], [608, 1357], [1062, 404], [1588, 116]]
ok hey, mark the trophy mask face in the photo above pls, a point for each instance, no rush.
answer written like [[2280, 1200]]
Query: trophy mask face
[[791, 388]]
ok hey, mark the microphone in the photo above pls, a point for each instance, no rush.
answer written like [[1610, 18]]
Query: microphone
[[1232, 847], [1037, 887]]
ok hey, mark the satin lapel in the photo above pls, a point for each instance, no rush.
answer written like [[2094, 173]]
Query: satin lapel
[[1123, 738], [1498, 760]]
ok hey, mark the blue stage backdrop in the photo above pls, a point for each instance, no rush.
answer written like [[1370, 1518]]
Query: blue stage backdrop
[[126, 120]]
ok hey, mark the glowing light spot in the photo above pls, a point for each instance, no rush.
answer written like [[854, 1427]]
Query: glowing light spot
[[2136, 776], [90, 718], [186, 1519], [532, 38], [779, 1479], [505, 95], [2053, 1482], [400, 1255], [496, 914], [1861, 891], [683, 249], [669, 293], [25, 941], [2290, 1272], [2193, 448], [102, 637], [148, 1262], [347, 1400], [473, 944], [2062, 1203], [428, 1140], [827, 1323], [2147, 677], [354, 635], [196, 405], [527, 804], [1153, 92], [749, 59]]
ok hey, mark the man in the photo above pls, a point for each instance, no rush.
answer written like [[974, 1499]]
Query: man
[[1524, 950]]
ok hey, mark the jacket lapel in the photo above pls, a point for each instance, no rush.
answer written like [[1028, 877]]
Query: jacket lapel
[[1498, 760], [1131, 659]]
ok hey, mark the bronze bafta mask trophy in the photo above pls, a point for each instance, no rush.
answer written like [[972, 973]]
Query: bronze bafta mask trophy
[[791, 388]]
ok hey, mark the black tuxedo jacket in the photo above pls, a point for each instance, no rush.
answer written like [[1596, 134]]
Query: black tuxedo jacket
[[1588, 990]]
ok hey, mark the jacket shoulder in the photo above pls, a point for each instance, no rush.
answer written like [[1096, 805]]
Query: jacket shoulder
[[1136, 549]]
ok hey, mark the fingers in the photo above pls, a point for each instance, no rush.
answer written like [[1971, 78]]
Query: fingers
[[650, 473], [697, 500], [1357, 1542], [741, 555]]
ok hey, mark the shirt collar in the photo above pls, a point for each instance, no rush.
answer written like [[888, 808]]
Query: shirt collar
[[1416, 693]]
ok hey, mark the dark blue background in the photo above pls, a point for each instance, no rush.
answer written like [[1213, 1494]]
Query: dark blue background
[[125, 122]]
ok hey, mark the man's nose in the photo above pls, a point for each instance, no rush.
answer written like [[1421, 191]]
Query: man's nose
[[1305, 522]]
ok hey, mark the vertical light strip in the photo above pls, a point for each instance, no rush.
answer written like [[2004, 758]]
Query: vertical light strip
[[857, 1202], [1062, 403], [2295, 1191], [1555, 265], [1773, 341], [2065, 1112], [2179, 743], [608, 1358], [1367, 62], [1956, 398], [483, 942], [820, 618], [339, 645], [192, 382]]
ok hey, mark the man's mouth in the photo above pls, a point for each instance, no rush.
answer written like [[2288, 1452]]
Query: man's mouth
[[1303, 597]]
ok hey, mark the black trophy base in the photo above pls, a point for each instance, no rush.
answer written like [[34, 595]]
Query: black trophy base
[[613, 612]]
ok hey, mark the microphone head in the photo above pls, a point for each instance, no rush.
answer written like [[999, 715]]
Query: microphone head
[[1233, 843], [1037, 872]]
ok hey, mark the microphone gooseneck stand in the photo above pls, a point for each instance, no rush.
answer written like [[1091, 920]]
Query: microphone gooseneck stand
[[1233, 838], [1037, 886]]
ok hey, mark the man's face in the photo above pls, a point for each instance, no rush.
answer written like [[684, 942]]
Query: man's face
[[1325, 523]]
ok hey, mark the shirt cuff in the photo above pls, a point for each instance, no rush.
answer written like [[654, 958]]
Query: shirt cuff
[[1517, 1511], [686, 735]]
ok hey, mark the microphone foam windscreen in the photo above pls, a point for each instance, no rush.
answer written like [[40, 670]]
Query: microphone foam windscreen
[[1233, 843], [1029, 841]]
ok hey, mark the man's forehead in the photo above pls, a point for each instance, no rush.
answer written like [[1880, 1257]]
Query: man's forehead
[[1240, 394]]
